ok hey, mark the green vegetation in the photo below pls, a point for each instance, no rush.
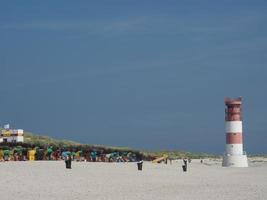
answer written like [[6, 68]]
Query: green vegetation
[[40, 140], [174, 154]]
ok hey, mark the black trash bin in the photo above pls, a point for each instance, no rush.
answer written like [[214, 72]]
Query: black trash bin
[[140, 165], [184, 168]]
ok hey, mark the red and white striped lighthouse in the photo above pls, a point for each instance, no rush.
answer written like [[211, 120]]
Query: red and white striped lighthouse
[[234, 155]]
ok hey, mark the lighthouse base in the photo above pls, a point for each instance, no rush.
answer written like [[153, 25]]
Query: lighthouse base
[[235, 161]]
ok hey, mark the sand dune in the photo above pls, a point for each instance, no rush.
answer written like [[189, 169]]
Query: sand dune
[[43, 180]]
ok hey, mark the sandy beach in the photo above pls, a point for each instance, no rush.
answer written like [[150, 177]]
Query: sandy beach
[[43, 180]]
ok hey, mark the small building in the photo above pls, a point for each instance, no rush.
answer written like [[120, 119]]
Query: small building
[[8, 135]]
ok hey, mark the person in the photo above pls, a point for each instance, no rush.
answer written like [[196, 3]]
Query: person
[[140, 165], [185, 161], [49, 152], [68, 161], [185, 165], [93, 156], [139, 159]]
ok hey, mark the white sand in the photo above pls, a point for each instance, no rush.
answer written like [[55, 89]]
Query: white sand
[[115, 181]]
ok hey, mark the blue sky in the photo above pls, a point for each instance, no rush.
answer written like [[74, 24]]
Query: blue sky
[[143, 74]]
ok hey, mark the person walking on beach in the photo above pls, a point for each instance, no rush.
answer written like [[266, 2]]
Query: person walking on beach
[[68, 161], [185, 164], [139, 159]]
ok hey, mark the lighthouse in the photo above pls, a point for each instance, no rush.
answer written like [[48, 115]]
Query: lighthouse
[[234, 155]]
